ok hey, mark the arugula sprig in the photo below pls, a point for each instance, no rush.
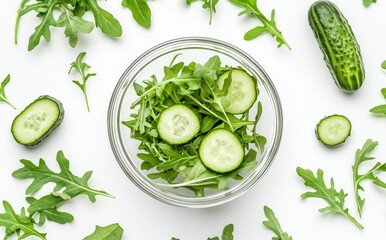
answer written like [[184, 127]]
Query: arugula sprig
[[207, 4], [3, 98], [140, 10], [334, 199], [367, 3], [227, 234], [19, 224], [361, 156], [112, 232], [65, 180], [380, 109], [71, 17], [273, 224], [81, 67], [269, 25]]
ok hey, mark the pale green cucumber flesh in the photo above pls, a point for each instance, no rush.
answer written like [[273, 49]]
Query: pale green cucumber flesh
[[242, 92], [178, 124], [333, 130], [221, 151], [37, 121]]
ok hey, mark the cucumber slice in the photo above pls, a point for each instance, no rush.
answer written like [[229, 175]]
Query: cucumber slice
[[221, 151], [37, 121], [242, 92], [333, 130], [178, 124]]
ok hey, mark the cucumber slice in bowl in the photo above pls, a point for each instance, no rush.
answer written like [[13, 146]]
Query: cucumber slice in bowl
[[242, 92], [178, 124], [333, 130], [37, 121], [221, 151]]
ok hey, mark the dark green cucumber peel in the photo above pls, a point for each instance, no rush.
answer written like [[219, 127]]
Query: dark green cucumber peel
[[40, 137], [339, 46]]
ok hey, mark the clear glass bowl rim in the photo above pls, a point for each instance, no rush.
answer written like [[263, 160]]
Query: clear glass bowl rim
[[128, 167]]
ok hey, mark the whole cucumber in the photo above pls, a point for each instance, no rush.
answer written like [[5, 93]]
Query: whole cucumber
[[338, 44]]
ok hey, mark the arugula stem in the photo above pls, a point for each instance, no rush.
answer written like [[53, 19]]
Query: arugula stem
[[160, 84], [22, 4], [207, 109], [7, 102], [86, 98], [266, 22]]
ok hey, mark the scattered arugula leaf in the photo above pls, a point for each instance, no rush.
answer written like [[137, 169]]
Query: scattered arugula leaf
[[274, 225], [140, 10], [47, 209], [367, 3], [334, 198], [110, 232], [380, 109], [269, 25], [383, 65], [361, 156], [71, 15], [3, 98], [227, 234], [17, 223], [81, 67], [207, 4], [66, 181]]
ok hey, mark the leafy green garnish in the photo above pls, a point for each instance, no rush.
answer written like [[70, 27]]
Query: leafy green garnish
[[361, 156], [227, 234], [140, 10], [380, 109], [195, 86], [81, 67], [207, 4], [368, 2], [334, 199], [110, 232], [273, 224], [3, 98], [71, 17], [46, 207], [20, 224], [269, 25], [65, 180]]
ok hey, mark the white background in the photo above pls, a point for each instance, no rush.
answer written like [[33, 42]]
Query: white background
[[302, 80]]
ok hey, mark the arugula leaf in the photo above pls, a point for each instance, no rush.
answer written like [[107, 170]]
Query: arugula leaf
[[81, 67], [274, 225], [3, 98], [43, 29], [140, 10], [334, 199], [65, 180], [110, 232], [380, 109], [227, 234], [105, 20], [207, 4], [17, 223], [73, 25], [383, 65], [269, 25], [71, 13], [361, 156], [47, 209], [367, 3]]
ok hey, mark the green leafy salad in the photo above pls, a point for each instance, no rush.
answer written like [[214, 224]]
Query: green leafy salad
[[197, 125]]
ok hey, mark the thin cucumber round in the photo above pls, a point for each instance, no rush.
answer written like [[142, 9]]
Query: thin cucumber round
[[37, 121], [178, 124], [242, 92], [333, 130], [221, 151]]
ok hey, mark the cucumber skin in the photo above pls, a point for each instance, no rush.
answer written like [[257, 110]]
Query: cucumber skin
[[338, 45], [54, 126], [317, 132]]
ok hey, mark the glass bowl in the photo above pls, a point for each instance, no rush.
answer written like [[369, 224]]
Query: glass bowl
[[152, 62]]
